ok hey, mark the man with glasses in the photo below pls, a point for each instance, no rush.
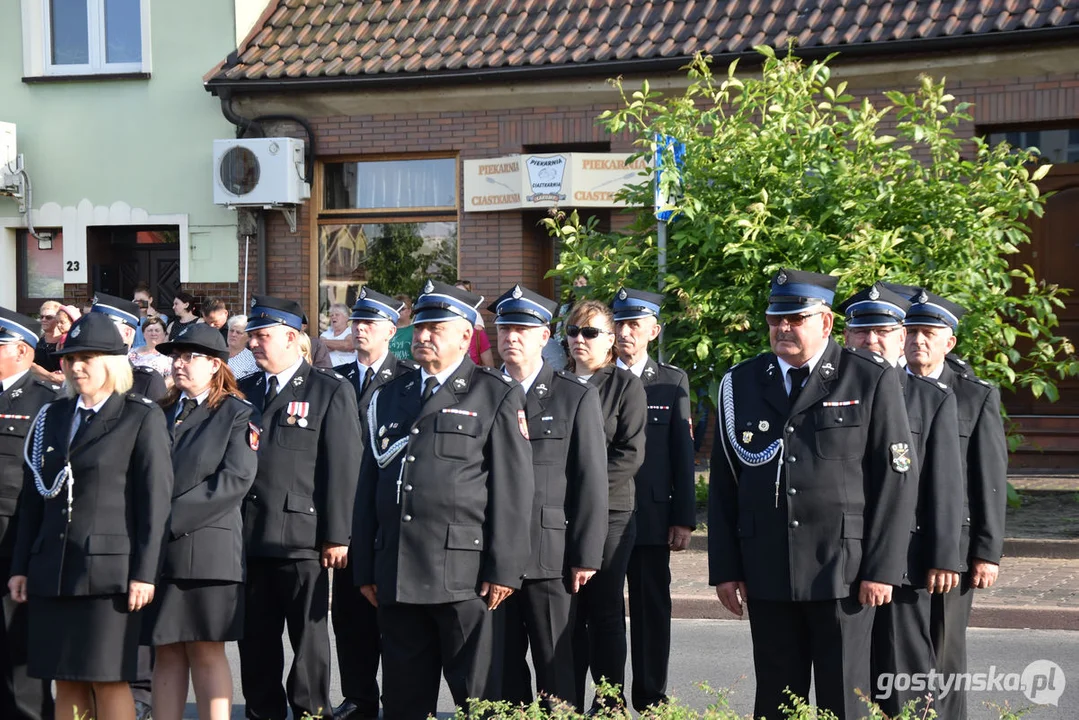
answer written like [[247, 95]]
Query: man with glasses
[[21, 397], [666, 499], [931, 324], [811, 500], [901, 629], [443, 507]]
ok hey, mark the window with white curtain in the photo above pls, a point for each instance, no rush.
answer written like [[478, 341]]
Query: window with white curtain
[[421, 184]]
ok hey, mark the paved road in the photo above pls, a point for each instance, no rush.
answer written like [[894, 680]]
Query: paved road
[[717, 652]]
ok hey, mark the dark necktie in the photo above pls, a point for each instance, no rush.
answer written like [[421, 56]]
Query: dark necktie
[[367, 377], [271, 390], [429, 386], [798, 377], [85, 416], [188, 406]]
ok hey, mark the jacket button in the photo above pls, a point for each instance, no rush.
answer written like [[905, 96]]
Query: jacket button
[[408, 488], [61, 536], [792, 491], [475, 542], [310, 509], [11, 428], [460, 427], [415, 431], [406, 518], [794, 523], [411, 458], [789, 429], [546, 432], [839, 419], [792, 459]]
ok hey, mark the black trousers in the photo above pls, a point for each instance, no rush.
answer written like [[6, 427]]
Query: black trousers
[[21, 696], [540, 616], [279, 592], [649, 580], [142, 686], [901, 644], [420, 642], [826, 640], [599, 635], [949, 617], [359, 647]]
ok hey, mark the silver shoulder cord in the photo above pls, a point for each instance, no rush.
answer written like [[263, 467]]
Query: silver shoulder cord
[[35, 461], [726, 394], [390, 454]]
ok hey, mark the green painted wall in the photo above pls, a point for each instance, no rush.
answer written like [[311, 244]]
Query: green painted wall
[[146, 143]]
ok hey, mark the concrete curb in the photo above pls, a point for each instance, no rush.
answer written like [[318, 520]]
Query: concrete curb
[[1013, 547], [692, 607]]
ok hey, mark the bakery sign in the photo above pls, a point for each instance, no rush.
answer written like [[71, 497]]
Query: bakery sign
[[543, 180]]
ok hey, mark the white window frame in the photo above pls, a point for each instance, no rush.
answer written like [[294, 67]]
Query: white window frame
[[37, 55]]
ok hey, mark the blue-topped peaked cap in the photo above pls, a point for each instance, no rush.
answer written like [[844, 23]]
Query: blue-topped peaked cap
[[93, 333], [875, 306], [16, 327], [125, 311], [267, 311], [371, 305], [439, 302], [796, 291], [934, 311], [521, 306], [198, 337], [630, 304]]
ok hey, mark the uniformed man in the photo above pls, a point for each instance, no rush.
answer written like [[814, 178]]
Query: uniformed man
[[297, 516], [666, 498], [445, 491], [148, 382], [21, 396], [569, 508], [901, 638], [931, 324], [355, 621], [811, 499]]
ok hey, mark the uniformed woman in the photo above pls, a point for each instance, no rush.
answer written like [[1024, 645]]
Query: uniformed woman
[[200, 600], [599, 639], [91, 526]]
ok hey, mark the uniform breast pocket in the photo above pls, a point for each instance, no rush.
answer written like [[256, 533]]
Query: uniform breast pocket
[[838, 432], [659, 416], [293, 435], [457, 436], [547, 437]]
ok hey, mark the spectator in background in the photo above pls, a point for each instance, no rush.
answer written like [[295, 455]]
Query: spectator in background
[[401, 342], [186, 309], [337, 338], [65, 317], [153, 331], [215, 313], [241, 360], [480, 349], [50, 336], [304, 341], [145, 301], [317, 354]]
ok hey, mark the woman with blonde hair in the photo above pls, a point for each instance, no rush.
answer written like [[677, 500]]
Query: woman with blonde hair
[[599, 639], [91, 526], [200, 603]]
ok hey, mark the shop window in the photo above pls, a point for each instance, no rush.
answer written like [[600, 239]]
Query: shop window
[[1056, 146], [390, 223], [41, 268]]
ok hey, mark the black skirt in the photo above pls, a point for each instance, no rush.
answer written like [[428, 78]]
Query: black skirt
[[83, 639], [194, 611]]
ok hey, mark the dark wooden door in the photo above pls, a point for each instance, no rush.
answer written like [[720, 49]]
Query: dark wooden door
[[120, 258], [1054, 254]]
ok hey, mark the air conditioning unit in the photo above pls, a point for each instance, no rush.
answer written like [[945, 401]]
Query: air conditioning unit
[[7, 145], [259, 172]]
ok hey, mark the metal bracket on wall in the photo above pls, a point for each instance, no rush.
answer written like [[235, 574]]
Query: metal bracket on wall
[[289, 211]]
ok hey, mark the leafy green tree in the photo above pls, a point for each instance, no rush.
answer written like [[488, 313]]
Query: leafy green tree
[[395, 262], [786, 169]]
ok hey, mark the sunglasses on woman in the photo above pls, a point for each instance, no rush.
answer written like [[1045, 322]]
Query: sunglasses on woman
[[589, 332]]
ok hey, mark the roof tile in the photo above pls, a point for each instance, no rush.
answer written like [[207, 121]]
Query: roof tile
[[315, 38]]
